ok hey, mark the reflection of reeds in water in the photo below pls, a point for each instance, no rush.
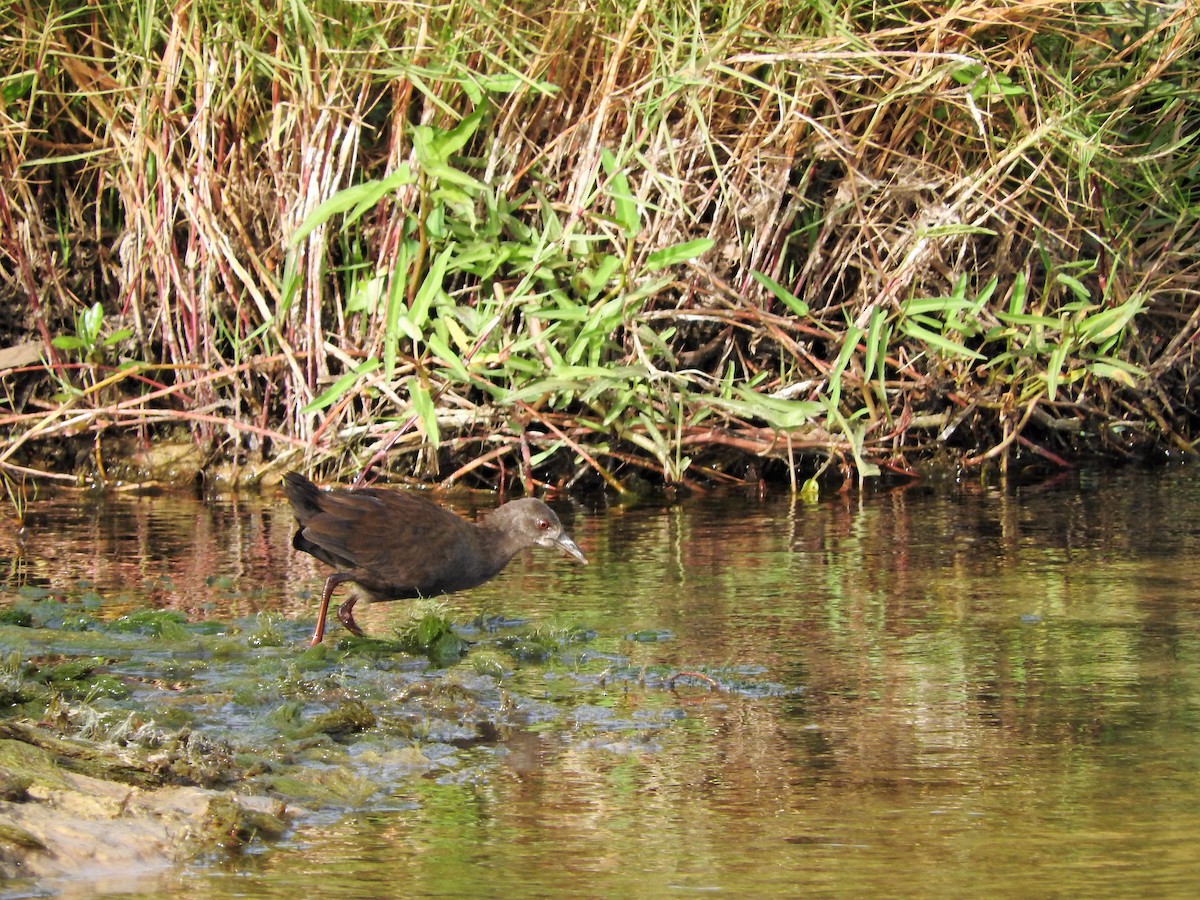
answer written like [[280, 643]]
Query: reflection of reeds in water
[[571, 245], [19, 494]]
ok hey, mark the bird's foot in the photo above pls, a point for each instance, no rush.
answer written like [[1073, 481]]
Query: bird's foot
[[345, 615]]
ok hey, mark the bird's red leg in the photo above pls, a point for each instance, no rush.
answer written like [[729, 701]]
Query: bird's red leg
[[330, 583], [346, 616]]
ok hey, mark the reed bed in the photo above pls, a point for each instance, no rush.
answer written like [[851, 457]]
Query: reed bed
[[597, 244]]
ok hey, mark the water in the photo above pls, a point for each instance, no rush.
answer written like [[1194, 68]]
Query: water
[[924, 693]]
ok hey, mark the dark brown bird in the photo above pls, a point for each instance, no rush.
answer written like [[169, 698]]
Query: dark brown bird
[[395, 545]]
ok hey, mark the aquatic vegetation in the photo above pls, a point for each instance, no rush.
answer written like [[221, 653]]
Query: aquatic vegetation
[[489, 662], [231, 695], [879, 683], [267, 632], [19, 616], [349, 717], [164, 623], [650, 635], [430, 633], [543, 642]]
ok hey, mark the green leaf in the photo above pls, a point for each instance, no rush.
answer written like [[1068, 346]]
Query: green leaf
[[443, 352], [290, 284], [1054, 370], [620, 403], [679, 253], [430, 288], [116, 337], [422, 402], [404, 325], [1117, 370], [1076, 286], [506, 83], [1027, 319], [855, 433], [460, 337], [395, 311], [924, 306], [364, 294], [1016, 302], [849, 345], [810, 491], [936, 341], [450, 142], [649, 288], [68, 342], [598, 280], [777, 413], [603, 373], [539, 390], [985, 295], [17, 87], [90, 321], [967, 74], [472, 90], [877, 343], [339, 387], [500, 84], [570, 314], [369, 200], [1110, 322], [359, 197], [540, 457], [424, 144], [625, 205], [447, 174], [782, 294]]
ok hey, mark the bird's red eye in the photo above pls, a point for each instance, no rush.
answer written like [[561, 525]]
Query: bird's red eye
[[543, 525]]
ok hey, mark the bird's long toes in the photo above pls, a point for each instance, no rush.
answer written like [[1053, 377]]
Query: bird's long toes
[[345, 615]]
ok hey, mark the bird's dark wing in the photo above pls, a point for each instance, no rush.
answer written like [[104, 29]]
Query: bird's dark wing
[[393, 543]]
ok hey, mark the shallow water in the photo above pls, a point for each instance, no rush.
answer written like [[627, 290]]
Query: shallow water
[[945, 693]]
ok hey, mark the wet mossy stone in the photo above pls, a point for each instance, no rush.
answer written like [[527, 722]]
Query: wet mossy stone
[[14, 786], [16, 836], [32, 764], [230, 825]]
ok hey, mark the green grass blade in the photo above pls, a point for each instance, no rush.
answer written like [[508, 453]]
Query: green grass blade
[[782, 294], [334, 392], [679, 253]]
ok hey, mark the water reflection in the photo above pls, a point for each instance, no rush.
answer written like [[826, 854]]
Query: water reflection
[[980, 692], [172, 551]]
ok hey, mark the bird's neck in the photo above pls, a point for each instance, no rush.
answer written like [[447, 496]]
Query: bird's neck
[[498, 541]]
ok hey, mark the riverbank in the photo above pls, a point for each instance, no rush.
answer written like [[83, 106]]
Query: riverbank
[[599, 247]]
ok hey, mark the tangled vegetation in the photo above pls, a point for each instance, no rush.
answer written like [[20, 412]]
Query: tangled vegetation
[[591, 244]]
